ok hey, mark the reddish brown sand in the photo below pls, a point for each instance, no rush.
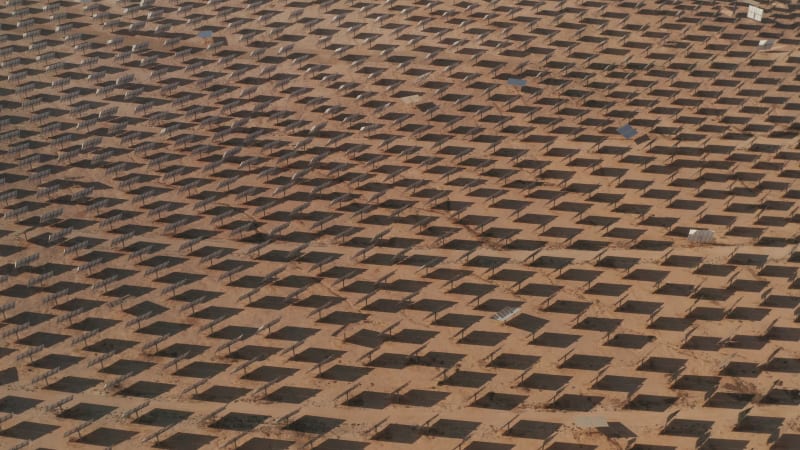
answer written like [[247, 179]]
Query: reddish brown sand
[[298, 136]]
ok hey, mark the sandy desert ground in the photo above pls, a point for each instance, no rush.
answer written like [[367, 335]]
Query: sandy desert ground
[[352, 225]]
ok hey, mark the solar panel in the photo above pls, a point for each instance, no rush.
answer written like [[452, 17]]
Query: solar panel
[[627, 131]]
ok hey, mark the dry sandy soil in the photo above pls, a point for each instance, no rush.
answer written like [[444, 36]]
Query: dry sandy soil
[[347, 225]]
